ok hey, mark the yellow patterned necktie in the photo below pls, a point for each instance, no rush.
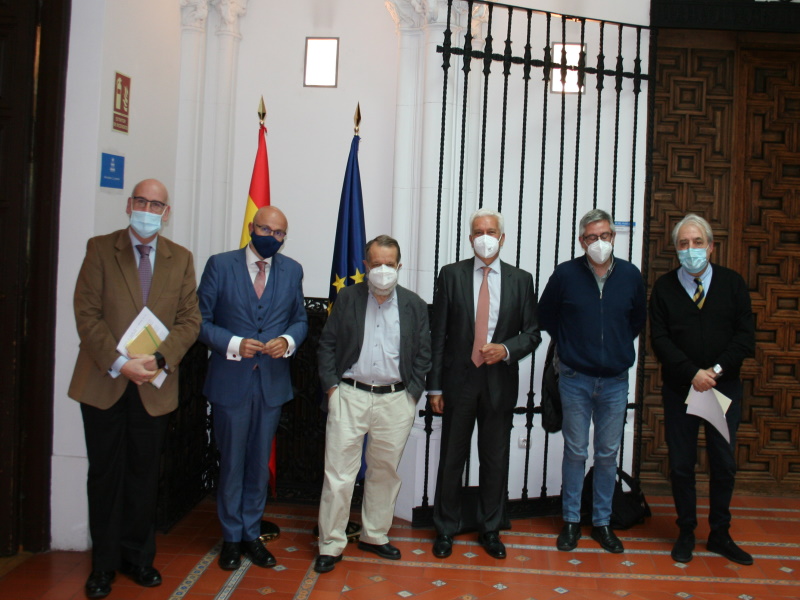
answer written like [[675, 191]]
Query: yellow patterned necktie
[[699, 295]]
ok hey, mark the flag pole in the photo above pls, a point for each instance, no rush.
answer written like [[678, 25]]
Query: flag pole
[[269, 530]]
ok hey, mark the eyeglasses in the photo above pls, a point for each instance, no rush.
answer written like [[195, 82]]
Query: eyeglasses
[[153, 206], [278, 234], [591, 239]]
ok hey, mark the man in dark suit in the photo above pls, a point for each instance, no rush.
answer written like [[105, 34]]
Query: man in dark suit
[[702, 330], [484, 323], [254, 318], [373, 354], [125, 417]]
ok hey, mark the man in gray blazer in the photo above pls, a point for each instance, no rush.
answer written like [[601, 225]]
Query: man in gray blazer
[[374, 353], [484, 323]]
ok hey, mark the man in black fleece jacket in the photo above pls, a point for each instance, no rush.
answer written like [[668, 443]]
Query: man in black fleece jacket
[[702, 329]]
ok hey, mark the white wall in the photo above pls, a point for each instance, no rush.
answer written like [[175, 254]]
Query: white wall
[[131, 37], [310, 131]]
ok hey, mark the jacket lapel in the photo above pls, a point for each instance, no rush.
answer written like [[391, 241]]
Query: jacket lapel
[[505, 300], [127, 266], [162, 272], [360, 309], [244, 284]]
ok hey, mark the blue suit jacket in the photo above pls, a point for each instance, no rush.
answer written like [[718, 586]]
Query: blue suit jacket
[[229, 306]]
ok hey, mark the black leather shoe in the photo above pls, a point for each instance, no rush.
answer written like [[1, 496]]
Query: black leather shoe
[[442, 546], [144, 576], [230, 556], [721, 543], [325, 563], [258, 555], [383, 550], [492, 544], [569, 536], [98, 585], [606, 537], [682, 550]]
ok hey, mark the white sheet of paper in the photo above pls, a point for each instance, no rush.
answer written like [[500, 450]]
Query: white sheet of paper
[[146, 317], [712, 406]]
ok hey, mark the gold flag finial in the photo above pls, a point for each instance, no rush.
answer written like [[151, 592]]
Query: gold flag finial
[[262, 112], [357, 118]]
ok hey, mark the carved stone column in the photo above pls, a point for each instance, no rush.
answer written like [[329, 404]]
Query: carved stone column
[[194, 17], [228, 38], [421, 26]]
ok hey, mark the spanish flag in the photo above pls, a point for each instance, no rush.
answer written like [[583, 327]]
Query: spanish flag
[[259, 186], [259, 198]]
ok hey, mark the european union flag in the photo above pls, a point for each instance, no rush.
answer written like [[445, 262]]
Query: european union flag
[[348, 249]]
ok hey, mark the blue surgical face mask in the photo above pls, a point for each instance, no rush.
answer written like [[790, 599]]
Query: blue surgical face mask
[[266, 245], [146, 224], [694, 260]]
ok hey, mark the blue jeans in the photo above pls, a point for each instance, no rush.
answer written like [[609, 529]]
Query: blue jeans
[[586, 399]]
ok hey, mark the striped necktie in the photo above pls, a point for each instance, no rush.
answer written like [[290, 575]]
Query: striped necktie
[[699, 295], [145, 270]]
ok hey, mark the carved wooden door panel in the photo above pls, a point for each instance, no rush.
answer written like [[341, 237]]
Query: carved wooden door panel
[[727, 146]]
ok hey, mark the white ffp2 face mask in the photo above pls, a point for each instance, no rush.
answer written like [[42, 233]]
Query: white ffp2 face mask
[[486, 246], [599, 251], [382, 280]]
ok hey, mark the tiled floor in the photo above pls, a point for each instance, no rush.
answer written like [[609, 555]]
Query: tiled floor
[[769, 528]]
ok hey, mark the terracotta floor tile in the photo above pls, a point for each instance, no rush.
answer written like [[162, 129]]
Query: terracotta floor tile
[[533, 569]]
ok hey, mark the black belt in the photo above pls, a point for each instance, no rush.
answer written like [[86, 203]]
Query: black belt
[[376, 389]]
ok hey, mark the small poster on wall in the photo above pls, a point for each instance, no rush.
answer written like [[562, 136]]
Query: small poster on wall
[[112, 171], [122, 102]]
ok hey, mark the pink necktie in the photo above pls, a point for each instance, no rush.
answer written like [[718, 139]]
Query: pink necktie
[[145, 270], [261, 278], [481, 319]]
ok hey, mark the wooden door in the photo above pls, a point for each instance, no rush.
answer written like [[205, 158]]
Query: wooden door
[[727, 146]]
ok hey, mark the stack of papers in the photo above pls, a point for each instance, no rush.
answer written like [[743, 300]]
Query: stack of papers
[[712, 406], [144, 336]]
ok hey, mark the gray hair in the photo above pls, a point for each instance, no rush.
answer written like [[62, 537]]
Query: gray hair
[[384, 241], [692, 219], [593, 216], [485, 212]]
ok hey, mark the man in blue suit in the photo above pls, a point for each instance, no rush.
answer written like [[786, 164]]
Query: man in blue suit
[[254, 318]]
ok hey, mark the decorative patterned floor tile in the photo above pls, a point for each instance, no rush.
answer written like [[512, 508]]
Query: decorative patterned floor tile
[[786, 569], [470, 555], [575, 561], [279, 568], [418, 551], [265, 591], [683, 595], [628, 563], [439, 583], [561, 590], [500, 586], [404, 594], [377, 578]]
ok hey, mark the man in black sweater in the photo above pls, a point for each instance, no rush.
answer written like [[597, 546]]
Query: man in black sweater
[[702, 329]]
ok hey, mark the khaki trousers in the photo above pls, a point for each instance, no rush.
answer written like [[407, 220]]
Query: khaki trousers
[[352, 413]]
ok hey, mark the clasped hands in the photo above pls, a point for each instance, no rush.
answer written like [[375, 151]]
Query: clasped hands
[[704, 380], [275, 348], [140, 368]]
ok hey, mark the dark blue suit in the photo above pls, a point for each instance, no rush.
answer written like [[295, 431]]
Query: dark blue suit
[[247, 394]]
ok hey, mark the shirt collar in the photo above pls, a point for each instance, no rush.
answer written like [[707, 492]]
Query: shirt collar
[[135, 241], [478, 264], [253, 258]]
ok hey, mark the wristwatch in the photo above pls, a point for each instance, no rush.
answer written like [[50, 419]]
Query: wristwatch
[[161, 362], [717, 370]]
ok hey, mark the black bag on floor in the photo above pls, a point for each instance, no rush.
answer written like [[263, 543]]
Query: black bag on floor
[[627, 508]]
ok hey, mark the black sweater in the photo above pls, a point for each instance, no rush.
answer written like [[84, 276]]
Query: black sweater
[[687, 339]]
